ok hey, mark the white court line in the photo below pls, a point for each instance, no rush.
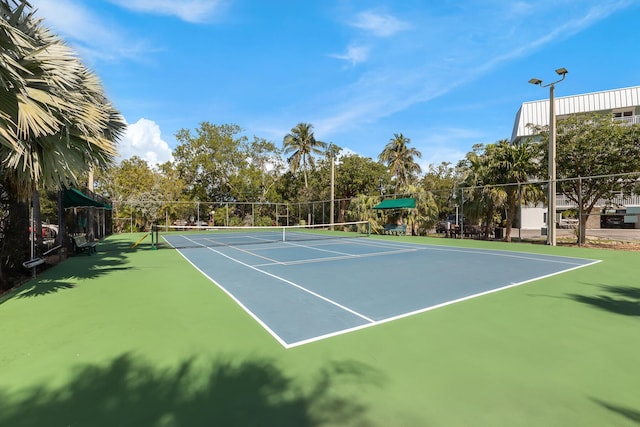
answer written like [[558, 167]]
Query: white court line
[[499, 253], [433, 307], [341, 241], [416, 247], [318, 249], [273, 261], [289, 282], [483, 251], [389, 319], [237, 301], [337, 258]]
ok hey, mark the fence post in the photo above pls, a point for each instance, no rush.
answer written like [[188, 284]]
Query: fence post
[[519, 212], [580, 227], [461, 213]]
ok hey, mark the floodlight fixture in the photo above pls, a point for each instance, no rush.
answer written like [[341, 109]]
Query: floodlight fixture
[[561, 71], [535, 81]]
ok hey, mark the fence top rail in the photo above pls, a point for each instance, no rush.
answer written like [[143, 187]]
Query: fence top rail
[[546, 181]]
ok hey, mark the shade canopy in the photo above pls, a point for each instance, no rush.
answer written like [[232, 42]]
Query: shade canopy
[[73, 198], [396, 204]]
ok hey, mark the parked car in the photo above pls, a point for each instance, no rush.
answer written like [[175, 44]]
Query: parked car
[[452, 219], [612, 221], [49, 234], [49, 231]]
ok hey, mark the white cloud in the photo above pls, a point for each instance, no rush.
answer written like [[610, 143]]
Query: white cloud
[[188, 10], [379, 25], [354, 54], [144, 139]]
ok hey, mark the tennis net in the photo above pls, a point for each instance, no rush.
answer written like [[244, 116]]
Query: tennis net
[[196, 236]]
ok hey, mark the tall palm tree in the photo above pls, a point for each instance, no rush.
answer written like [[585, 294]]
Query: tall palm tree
[[400, 159], [301, 145], [55, 121]]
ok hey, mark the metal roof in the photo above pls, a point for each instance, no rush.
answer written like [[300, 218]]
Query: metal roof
[[537, 112]]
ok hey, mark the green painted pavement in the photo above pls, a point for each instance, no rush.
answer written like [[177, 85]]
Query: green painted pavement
[[140, 338]]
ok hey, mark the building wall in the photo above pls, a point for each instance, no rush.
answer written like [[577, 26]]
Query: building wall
[[532, 218], [537, 112]]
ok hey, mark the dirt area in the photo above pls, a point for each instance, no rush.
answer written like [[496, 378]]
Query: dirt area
[[615, 239], [606, 244]]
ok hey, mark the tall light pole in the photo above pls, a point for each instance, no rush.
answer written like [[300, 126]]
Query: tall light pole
[[333, 187], [333, 150], [551, 211]]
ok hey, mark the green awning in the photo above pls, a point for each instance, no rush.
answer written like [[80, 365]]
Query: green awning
[[396, 204], [73, 198]]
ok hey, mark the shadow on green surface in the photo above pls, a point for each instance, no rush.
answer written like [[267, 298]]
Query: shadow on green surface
[[111, 256], [623, 300], [255, 392], [631, 414], [43, 287]]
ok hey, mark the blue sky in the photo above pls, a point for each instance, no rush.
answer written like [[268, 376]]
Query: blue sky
[[446, 74]]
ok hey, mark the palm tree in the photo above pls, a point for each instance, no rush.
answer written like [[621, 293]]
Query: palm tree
[[510, 165], [400, 159], [361, 209], [301, 145], [482, 199], [55, 121], [425, 215]]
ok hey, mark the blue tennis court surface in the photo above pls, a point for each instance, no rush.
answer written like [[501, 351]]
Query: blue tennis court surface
[[303, 291]]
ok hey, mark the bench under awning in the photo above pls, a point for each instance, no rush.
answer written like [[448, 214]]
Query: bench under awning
[[408, 203]]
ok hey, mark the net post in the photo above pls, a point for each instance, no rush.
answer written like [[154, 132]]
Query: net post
[[154, 236], [283, 235], [368, 228]]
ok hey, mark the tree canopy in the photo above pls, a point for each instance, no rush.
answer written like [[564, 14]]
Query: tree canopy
[[593, 145]]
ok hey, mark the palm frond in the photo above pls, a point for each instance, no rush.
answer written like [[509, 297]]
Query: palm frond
[[55, 121]]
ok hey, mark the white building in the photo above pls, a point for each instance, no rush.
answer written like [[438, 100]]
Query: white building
[[623, 105]]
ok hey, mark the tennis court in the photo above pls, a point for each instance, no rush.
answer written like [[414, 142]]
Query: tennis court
[[314, 283], [132, 336]]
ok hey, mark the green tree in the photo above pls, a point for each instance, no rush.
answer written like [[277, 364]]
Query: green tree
[[510, 165], [424, 216], [55, 122], [210, 160], [400, 159], [354, 175], [257, 180], [174, 194], [482, 199], [361, 209], [442, 181], [263, 169], [300, 146], [133, 187], [593, 145]]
